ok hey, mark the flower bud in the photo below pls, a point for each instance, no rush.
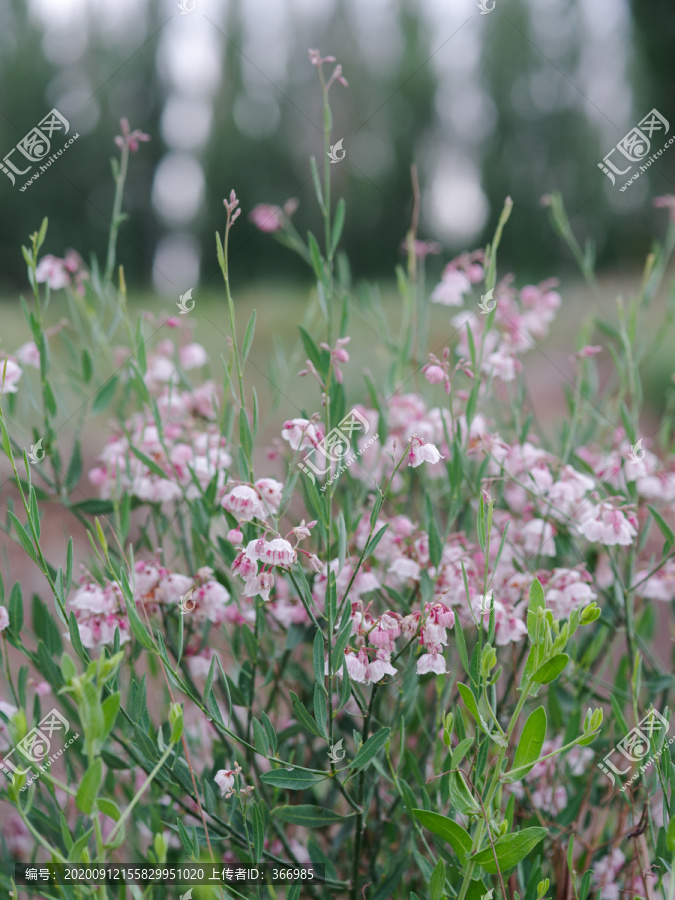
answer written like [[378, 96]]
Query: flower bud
[[542, 888], [488, 660], [161, 846], [176, 722], [590, 614]]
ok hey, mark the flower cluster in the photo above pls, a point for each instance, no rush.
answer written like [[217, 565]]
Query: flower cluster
[[60, 273]]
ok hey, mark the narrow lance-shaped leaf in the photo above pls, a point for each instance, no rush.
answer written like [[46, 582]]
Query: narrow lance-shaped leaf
[[530, 744]]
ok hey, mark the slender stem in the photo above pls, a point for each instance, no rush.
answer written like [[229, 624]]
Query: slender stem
[[358, 825], [230, 306], [127, 812], [117, 211]]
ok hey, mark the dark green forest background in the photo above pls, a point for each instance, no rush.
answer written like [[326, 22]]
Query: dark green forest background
[[537, 128]]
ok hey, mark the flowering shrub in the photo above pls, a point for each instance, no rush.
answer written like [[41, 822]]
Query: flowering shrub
[[392, 666]]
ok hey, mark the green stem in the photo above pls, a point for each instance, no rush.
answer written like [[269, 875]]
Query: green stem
[[117, 211], [127, 812]]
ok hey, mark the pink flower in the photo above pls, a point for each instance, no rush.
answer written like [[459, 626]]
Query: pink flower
[[421, 451], [275, 553], [609, 526], [270, 491], [267, 218], [29, 355], [451, 289], [317, 60], [338, 355], [605, 873], [422, 248], [225, 780], [587, 351], [172, 588], [129, 138], [301, 433], [4, 618], [245, 564], [52, 270], [404, 568], [244, 503], [660, 586], [666, 201], [10, 375], [211, 599], [431, 662], [357, 666], [433, 374], [379, 667], [192, 356], [235, 536], [259, 584], [42, 689]]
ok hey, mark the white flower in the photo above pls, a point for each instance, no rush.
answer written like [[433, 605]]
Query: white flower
[[421, 451]]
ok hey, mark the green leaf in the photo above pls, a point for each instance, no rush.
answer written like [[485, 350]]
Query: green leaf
[[308, 816], [664, 527], [536, 601], [94, 506], [461, 645], [109, 808], [245, 436], [295, 780], [88, 789], [15, 609], [550, 670], [370, 749], [570, 855], [471, 705], [260, 739], [258, 833], [110, 708], [510, 849], [248, 335], [87, 368], [460, 751], [530, 743], [375, 540], [75, 852], [303, 716], [150, 463], [311, 349], [318, 660], [320, 711], [443, 827], [338, 224], [315, 256], [437, 881], [22, 534], [137, 627], [104, 396], [269, 731], [74, 468]]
